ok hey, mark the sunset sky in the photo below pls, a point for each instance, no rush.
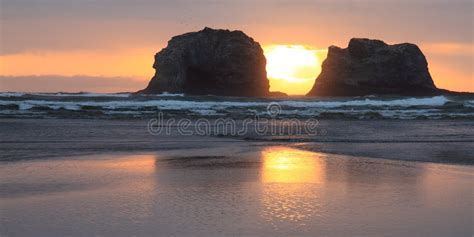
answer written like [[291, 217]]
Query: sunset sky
[[108, 45]]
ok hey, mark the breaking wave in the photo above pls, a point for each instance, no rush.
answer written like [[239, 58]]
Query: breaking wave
[[127, 105]]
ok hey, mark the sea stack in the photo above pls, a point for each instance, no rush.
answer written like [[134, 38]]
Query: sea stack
[[215, 62], [372, 67]]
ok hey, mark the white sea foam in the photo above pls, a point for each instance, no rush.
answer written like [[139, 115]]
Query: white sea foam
[[469, 103], [182, 104], [24, 106], [390, 108], [433, 101], [170, 94], [11, 94], [206, 112]]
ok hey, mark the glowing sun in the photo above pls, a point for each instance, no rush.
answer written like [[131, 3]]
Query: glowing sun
[[292, 68]]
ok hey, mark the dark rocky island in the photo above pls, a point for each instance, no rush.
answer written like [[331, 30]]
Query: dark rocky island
[[217, 62], [372, 67]]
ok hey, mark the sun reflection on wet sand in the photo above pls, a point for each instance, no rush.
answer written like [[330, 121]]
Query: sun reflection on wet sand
[[291, 182], [287, 165]]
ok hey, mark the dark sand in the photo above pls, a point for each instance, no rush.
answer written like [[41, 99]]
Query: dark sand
[[440, 141]]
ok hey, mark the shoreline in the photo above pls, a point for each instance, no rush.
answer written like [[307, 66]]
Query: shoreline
[[446, 141]]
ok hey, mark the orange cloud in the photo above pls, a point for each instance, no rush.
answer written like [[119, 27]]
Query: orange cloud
[[129, 63]]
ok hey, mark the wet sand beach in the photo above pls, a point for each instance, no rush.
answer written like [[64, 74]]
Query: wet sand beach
[[84, 177], [242, 190]]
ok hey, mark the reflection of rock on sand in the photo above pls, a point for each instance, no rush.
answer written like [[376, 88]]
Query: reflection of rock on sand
[[130, 187], [289, 177]]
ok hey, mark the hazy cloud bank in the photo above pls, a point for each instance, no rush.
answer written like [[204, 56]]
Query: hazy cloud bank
[[80, 83]]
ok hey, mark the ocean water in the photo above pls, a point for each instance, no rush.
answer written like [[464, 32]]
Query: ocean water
[[125, 105]]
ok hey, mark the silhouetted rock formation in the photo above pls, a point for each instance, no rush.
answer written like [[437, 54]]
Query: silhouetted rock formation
[[217, 62], [372, 67]]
